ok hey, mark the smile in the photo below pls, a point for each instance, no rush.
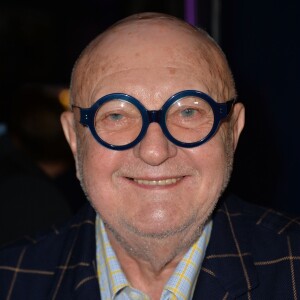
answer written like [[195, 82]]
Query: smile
[[162, 182]]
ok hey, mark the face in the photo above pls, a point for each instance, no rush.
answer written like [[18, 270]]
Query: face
[[155, 189]]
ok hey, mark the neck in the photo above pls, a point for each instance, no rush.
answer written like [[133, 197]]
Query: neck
[[147, 262]]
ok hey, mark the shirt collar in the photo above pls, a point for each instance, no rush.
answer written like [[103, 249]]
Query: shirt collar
[[181, 284]]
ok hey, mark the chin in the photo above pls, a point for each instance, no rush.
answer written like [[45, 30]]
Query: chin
[[158, 225]]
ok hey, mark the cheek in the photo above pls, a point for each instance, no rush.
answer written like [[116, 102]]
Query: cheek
[[97, 167], [211, 162], [211, 157]]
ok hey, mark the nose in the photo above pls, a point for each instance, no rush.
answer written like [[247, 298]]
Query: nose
[[155, 148]]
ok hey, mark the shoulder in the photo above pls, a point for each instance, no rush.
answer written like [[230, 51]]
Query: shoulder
[[251, 247], [264, 232], [259, 217], [53, 237], [43, 258]]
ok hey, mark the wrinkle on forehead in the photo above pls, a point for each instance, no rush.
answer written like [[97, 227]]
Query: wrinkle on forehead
[[145, 42], [145, 84]]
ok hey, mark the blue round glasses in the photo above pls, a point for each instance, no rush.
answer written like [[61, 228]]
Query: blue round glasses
[[188, 119]]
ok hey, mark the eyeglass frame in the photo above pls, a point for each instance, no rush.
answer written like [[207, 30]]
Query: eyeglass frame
[[220, 110]]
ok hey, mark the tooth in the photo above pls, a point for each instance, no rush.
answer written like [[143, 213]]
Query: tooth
[[157, 182]]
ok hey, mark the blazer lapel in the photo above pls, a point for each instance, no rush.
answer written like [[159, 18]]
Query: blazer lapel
[[76, 276], [228, 270]]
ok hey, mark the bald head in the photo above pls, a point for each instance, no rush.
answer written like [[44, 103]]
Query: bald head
[[145, 41]]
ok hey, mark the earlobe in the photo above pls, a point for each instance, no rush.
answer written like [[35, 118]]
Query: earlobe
[[67, 121], [237, 122]]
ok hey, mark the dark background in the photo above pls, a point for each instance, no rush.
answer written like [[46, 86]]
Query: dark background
[[40, 41]]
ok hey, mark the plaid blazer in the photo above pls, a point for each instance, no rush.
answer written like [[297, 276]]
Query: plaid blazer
[[253, 253]]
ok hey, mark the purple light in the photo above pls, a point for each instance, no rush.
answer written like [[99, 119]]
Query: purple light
[[190, 11]]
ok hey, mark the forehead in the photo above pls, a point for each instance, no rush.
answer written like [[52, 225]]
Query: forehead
[[141, 54]]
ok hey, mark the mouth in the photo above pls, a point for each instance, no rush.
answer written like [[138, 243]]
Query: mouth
[[160, 182]]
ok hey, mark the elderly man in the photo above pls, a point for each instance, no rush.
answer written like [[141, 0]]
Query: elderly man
[[153, 129]]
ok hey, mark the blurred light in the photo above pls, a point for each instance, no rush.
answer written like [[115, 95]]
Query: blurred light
[[190, 11], [64, 98], [3, 129]]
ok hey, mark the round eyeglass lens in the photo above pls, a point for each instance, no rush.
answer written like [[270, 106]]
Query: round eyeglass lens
[[190, 119], [118, 122]]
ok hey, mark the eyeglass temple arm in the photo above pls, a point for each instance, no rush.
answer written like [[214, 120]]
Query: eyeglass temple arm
[[84, 115], [225, 108]]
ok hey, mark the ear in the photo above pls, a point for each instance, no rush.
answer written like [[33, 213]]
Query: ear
[[67, 121], [237, 122]]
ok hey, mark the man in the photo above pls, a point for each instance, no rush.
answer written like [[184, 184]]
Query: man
[[153, 130]]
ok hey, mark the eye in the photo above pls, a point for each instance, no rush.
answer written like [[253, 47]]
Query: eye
[[115, 116], [188, 112]]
